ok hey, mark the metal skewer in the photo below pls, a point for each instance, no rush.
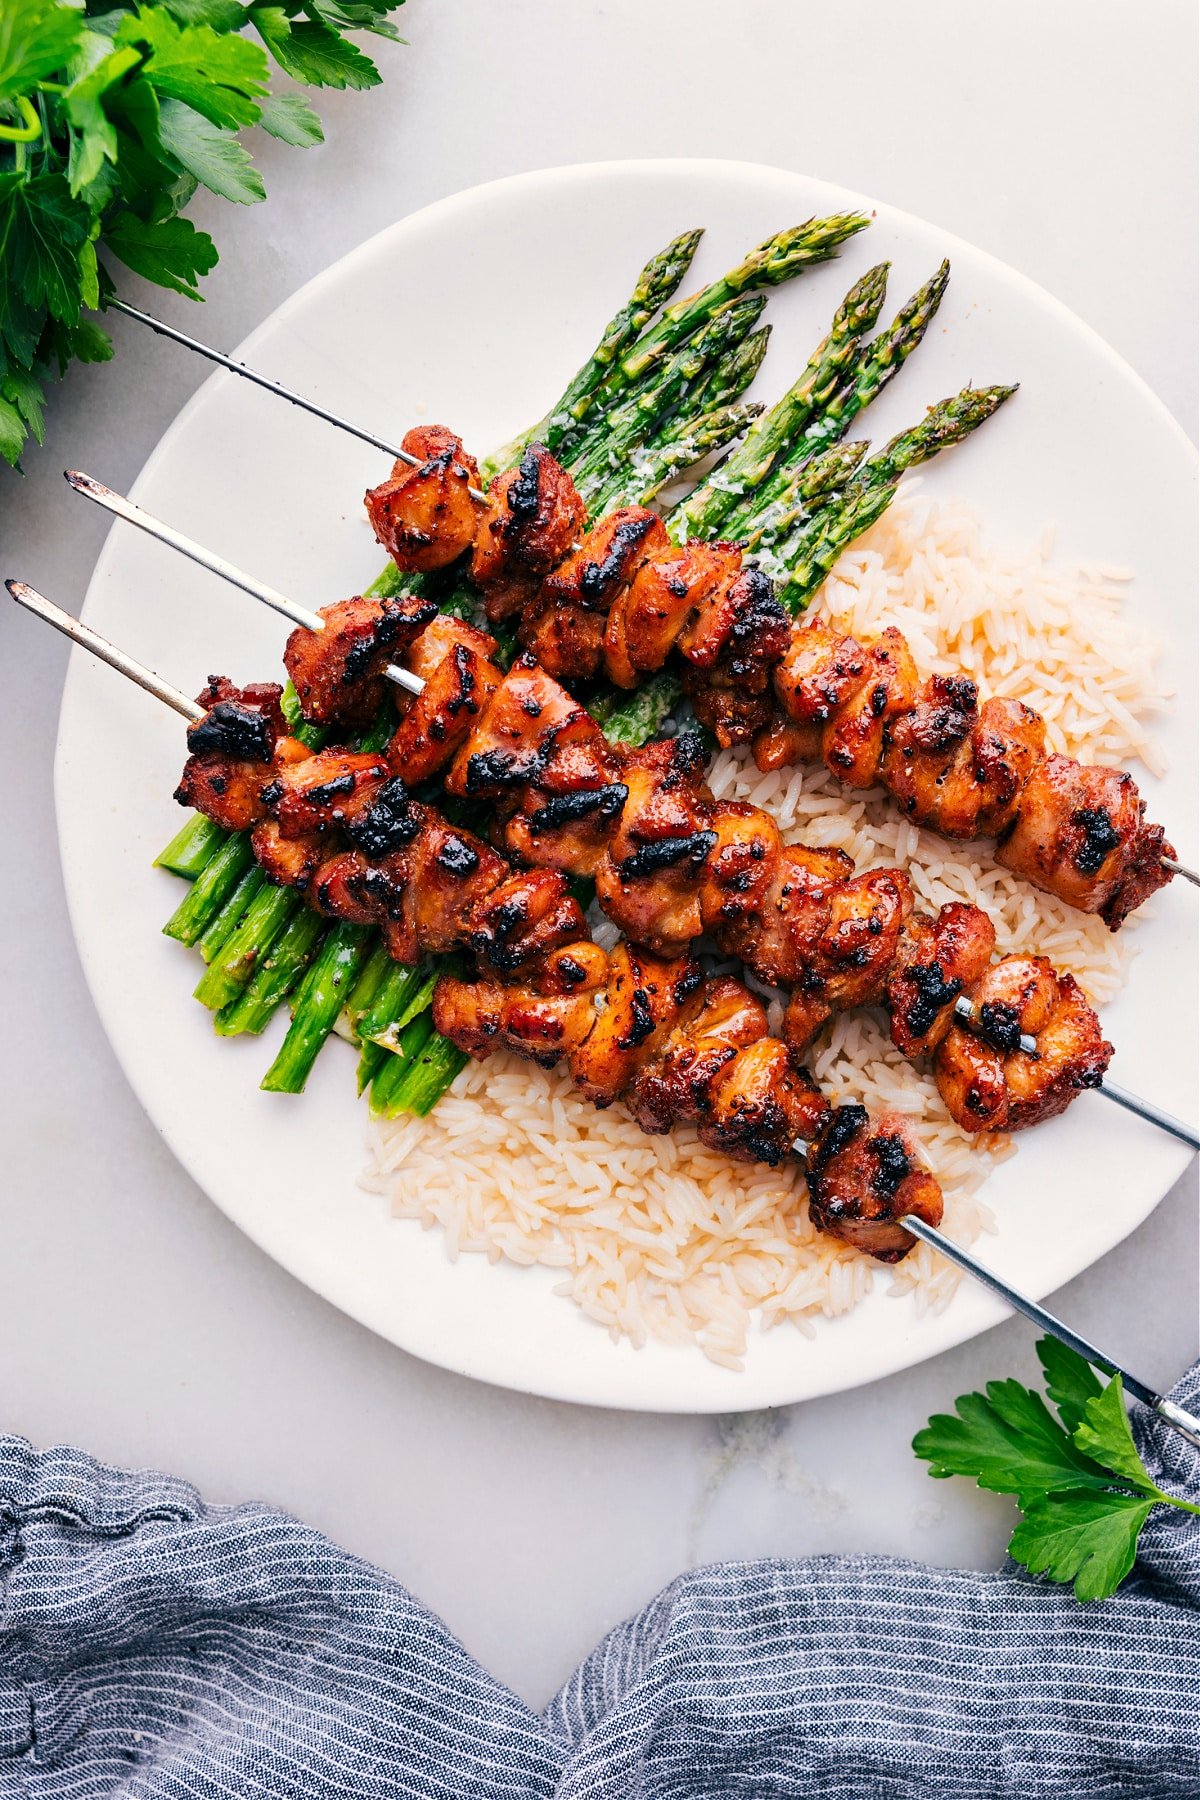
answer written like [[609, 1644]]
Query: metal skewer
[[1167, 1410], [968, 1013], [87, 639], [208, 559], [272, 387], [1173, 1415]]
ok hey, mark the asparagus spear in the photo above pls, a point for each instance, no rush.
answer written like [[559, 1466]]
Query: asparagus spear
[[767, 442], [811, 554], [655, 285], [882, 360], [210, 890], [269, 911], [426, 1077], [395, 992], [320, 997], [772, 263], [728, 378], [197, 840], [814, 481], [216, 934], [629, 423], [391, 1075], [275, 975]]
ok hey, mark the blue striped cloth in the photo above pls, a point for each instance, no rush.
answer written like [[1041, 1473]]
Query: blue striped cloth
[[156, 1647]]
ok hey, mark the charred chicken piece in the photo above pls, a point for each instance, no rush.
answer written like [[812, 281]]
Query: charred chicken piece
[[852, 741], [428, 892], [455, 662], [338, 671], [286, 862], [988, 1082], [321, 792], [864, 1176], [425, 517], [533, 516], [543, 1017], [648, 615], [642, 998], [938, 959], [527, 916], [842, 936], [648, 879], [564, 627], [1082, 833], [960, 768], [232, 750]]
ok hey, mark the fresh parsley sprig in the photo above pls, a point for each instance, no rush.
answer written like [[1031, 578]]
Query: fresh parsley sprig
[[1078, 1479], [112, 113]]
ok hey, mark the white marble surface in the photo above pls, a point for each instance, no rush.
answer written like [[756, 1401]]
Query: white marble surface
[[133, 1318]]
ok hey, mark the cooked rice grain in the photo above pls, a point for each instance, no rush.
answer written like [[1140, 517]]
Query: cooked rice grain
[[660, 1237]]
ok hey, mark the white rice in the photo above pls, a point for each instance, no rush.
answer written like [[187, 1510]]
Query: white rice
[[660, 1237]]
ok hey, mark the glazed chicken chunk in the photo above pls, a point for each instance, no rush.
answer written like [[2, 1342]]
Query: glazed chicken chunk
[[533, 516], [232, 749], [425, 517], [338, 671], [864, 1177], [988, 1082]]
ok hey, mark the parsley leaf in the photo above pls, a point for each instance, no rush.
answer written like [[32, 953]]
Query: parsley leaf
[[37, 38], [290, 117], [1070, 1382], [1081, 1484], [221, 76], [171, 251], [314, 53], [213, 156], [121, 108], [1008, 1440], [1087, 1539]]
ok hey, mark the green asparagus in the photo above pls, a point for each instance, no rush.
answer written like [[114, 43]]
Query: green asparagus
[[655, 285], [217, 933], [276, 974], [809, 556], [210, 890], [771, 439], [194, 844], [772, 263], [270, 910], [319, 999]]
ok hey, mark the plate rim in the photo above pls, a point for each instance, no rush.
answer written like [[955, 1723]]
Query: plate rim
[[947, 1330]]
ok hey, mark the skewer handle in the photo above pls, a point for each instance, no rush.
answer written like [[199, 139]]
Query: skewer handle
[[133, 514], [87, 639], [272, 387], [1173, 1415]]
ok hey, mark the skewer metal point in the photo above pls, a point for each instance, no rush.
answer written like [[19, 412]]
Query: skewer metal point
[[133, 514], [1178, 868], [87, 639], [272, 387]]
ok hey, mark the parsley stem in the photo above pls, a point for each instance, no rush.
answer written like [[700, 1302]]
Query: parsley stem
[[30, 131]]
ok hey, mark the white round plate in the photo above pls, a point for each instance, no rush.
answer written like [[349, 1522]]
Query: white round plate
[[475, 312]]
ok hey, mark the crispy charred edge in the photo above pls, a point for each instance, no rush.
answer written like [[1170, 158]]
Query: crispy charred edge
[[598, 579], [524, 491], [233, 729], [392, 820], [761, 625], [567, 809], [893, 1165], [1143, 873], [667, 853], [407, 615], [933, 992]]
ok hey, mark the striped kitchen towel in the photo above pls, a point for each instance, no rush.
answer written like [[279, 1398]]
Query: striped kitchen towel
[[155, 1647]]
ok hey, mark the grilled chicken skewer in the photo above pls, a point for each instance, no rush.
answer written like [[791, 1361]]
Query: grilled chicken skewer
[[627, 598], [865, 1186], [672, 864], [675, 1045]]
